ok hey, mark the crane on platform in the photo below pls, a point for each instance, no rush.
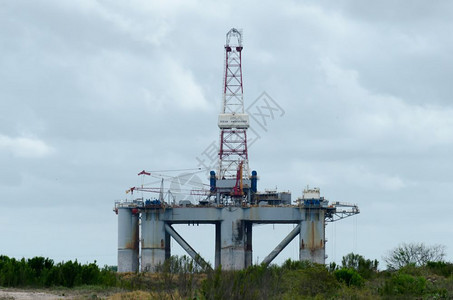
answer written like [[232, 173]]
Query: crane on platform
[[238, 190]]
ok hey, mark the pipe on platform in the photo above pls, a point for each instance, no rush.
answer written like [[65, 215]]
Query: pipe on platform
[[282, 245], [196, 257]]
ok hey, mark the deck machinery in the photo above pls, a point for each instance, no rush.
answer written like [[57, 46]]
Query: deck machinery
[[232, 203]]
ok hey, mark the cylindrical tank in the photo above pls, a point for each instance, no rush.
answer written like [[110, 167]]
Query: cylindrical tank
[[128, 239], [254, 182], [212, 181]]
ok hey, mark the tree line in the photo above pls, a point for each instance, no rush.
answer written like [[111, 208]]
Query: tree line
[[413, 271], [43, 272]]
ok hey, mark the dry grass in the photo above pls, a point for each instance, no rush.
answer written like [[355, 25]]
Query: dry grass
[[141, 295]]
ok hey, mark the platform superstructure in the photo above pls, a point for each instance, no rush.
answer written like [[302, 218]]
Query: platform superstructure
[[231, 201]]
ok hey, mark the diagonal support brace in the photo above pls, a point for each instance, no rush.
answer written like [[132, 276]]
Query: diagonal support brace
[[282, 245], [196, 257]]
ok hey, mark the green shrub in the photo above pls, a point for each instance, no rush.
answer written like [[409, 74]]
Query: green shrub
[[308, 281], [349, 276], [440, 268], [255, 282], [405, 284], [365, 267], [296, 264]]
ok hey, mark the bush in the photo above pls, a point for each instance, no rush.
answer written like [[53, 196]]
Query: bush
[[255, 282], [309, 280], [296, 264], [349, 276], [440, 268], [365, 267], [404, 284]]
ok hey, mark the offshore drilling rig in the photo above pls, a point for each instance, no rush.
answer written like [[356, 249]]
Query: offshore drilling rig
[[232, 203]]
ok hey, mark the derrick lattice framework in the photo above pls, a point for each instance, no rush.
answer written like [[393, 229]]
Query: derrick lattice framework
[[233, 121]]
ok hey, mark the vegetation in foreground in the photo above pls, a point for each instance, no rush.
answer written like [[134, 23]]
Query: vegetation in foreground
[[418, 273]]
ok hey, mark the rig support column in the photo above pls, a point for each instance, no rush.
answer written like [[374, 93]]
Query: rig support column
[[233, 240], [312, 236], [128, 239], [154, 240], [218, 243], [248, 244]]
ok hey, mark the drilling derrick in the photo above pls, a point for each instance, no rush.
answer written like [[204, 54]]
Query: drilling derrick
[[233, 121], [233, 181]]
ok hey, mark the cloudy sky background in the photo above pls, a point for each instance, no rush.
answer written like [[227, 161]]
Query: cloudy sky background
[[92, 92]]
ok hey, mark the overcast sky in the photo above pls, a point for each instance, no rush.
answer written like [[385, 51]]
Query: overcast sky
[[92, 92]]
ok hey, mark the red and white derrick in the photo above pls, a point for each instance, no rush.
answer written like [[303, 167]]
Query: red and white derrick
[[233, 121]]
